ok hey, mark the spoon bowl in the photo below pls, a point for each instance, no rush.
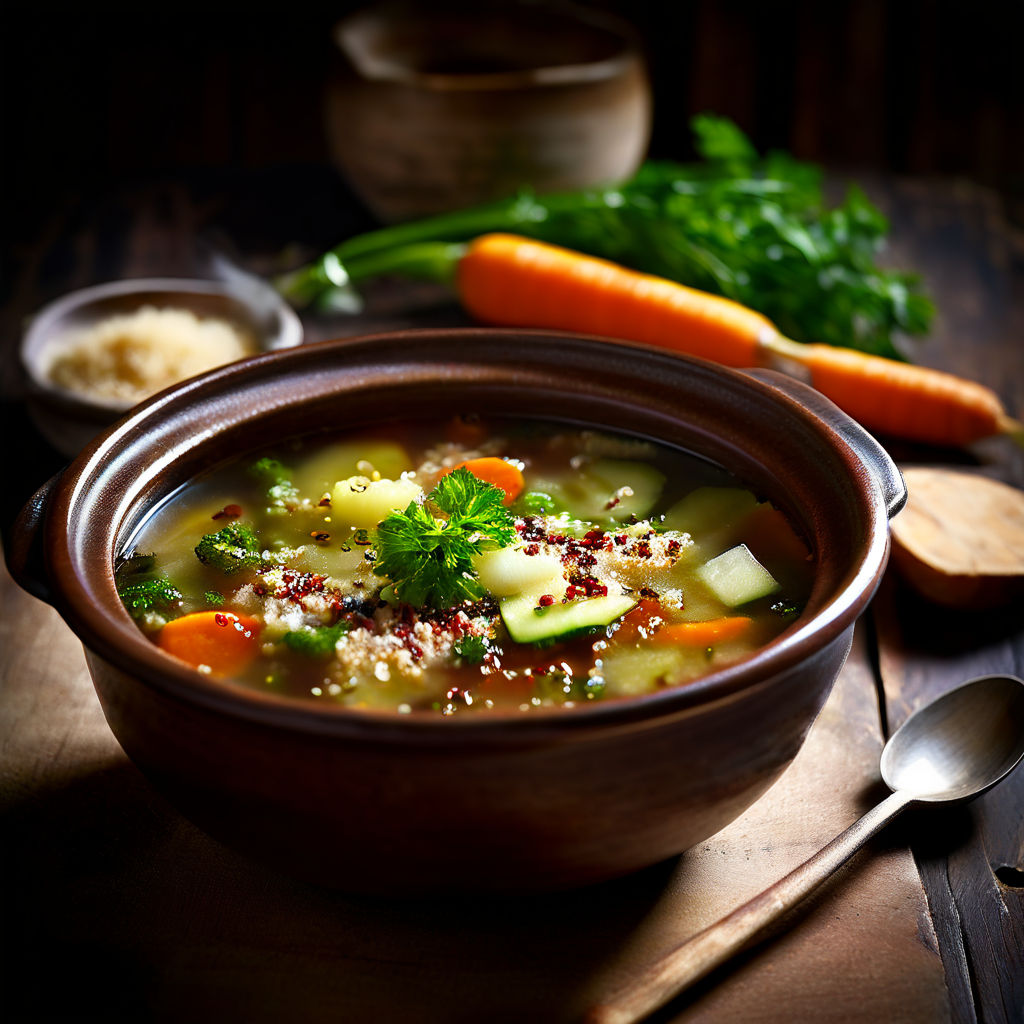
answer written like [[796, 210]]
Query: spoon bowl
[[959, 745]]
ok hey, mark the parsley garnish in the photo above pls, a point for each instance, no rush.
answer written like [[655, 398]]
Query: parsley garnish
[[471, 649], [426, 551]]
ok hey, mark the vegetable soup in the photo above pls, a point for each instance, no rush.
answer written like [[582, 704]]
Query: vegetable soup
[[501, 565]]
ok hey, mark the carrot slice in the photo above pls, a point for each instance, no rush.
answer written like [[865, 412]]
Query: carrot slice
[[642, 621], [498, 472], [224, 641], [703, 634]]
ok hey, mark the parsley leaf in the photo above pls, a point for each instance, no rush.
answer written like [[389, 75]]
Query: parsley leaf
[[426, 551], [470, 649]]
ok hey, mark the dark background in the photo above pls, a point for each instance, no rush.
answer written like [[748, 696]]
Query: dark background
[[228, 98]]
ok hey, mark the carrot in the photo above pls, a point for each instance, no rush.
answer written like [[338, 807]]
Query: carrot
[[505, 279], [703, 634], [498, 472], [642, 620], [647, 620], [221, 640], [913, 402]]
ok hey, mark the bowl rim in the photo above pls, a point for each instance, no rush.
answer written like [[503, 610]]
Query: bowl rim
[[375, 69], [36, 338], [123, 645]]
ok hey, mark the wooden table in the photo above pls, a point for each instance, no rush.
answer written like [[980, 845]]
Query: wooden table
[[115, 908]]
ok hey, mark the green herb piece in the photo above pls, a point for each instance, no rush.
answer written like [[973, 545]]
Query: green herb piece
[[211, 597], [142, 596], [786, 609], [755, 229], [231, 549], [471, 649], [282, 494], [426, 551], [315, 641], [537, 503]]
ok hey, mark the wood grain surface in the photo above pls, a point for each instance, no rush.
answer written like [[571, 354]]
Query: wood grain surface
[[105, 879], [115, 908]]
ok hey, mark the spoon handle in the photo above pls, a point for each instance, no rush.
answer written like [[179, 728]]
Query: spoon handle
[[710, 948]]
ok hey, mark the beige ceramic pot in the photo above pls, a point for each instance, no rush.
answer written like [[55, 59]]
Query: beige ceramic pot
[[387, 802], [438, 107]]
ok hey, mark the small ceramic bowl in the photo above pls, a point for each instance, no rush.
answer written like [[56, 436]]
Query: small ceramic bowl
[[442, 106], [376, 800], [68, 419]]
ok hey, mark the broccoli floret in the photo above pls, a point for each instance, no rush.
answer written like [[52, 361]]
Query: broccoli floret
[[231, 549], [315, 641], [277, 479], [143, 596]]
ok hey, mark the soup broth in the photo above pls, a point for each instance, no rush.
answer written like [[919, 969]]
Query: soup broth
[[472, 567]]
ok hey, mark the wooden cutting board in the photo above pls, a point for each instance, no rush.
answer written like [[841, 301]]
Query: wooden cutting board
[[117, 908]]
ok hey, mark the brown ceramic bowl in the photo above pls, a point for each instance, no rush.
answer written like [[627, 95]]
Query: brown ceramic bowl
[[380, 801], [441, 106]]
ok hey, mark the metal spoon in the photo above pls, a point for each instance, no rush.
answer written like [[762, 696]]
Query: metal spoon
[[958, 746]]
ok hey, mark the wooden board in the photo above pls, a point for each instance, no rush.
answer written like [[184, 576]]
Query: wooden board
[[149, 919]]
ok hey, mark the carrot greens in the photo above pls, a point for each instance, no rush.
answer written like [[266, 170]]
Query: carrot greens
[[756, 229]]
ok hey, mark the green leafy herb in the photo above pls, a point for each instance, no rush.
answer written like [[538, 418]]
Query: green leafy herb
[[315, 641], [211, 597], [471, 649], [427, 550], [231, 549], [755, 229], [537, 503], [786, 609]]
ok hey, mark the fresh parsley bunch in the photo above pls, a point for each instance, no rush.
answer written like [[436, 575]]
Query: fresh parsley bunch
[[426, 550], [756, 229]]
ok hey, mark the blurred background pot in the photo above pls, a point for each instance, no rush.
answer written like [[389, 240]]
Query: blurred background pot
[[441, 106]]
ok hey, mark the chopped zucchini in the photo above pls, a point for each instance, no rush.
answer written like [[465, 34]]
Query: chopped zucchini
[[710, 509], [510, 571], [529, 624], [608, 490], [641, 669], [736, 577]]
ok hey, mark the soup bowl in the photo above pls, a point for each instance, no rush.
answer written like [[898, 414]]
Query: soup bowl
[[379, 801]]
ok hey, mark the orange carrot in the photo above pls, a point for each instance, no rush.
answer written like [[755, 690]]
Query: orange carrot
[[647, 621], [642, 620], [914, 402], [498, 472], [505, 279], [221, 640], [703, 634]]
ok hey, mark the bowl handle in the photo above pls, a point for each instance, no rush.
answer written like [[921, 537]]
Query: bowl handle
[[874, 457], [24, 553]]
